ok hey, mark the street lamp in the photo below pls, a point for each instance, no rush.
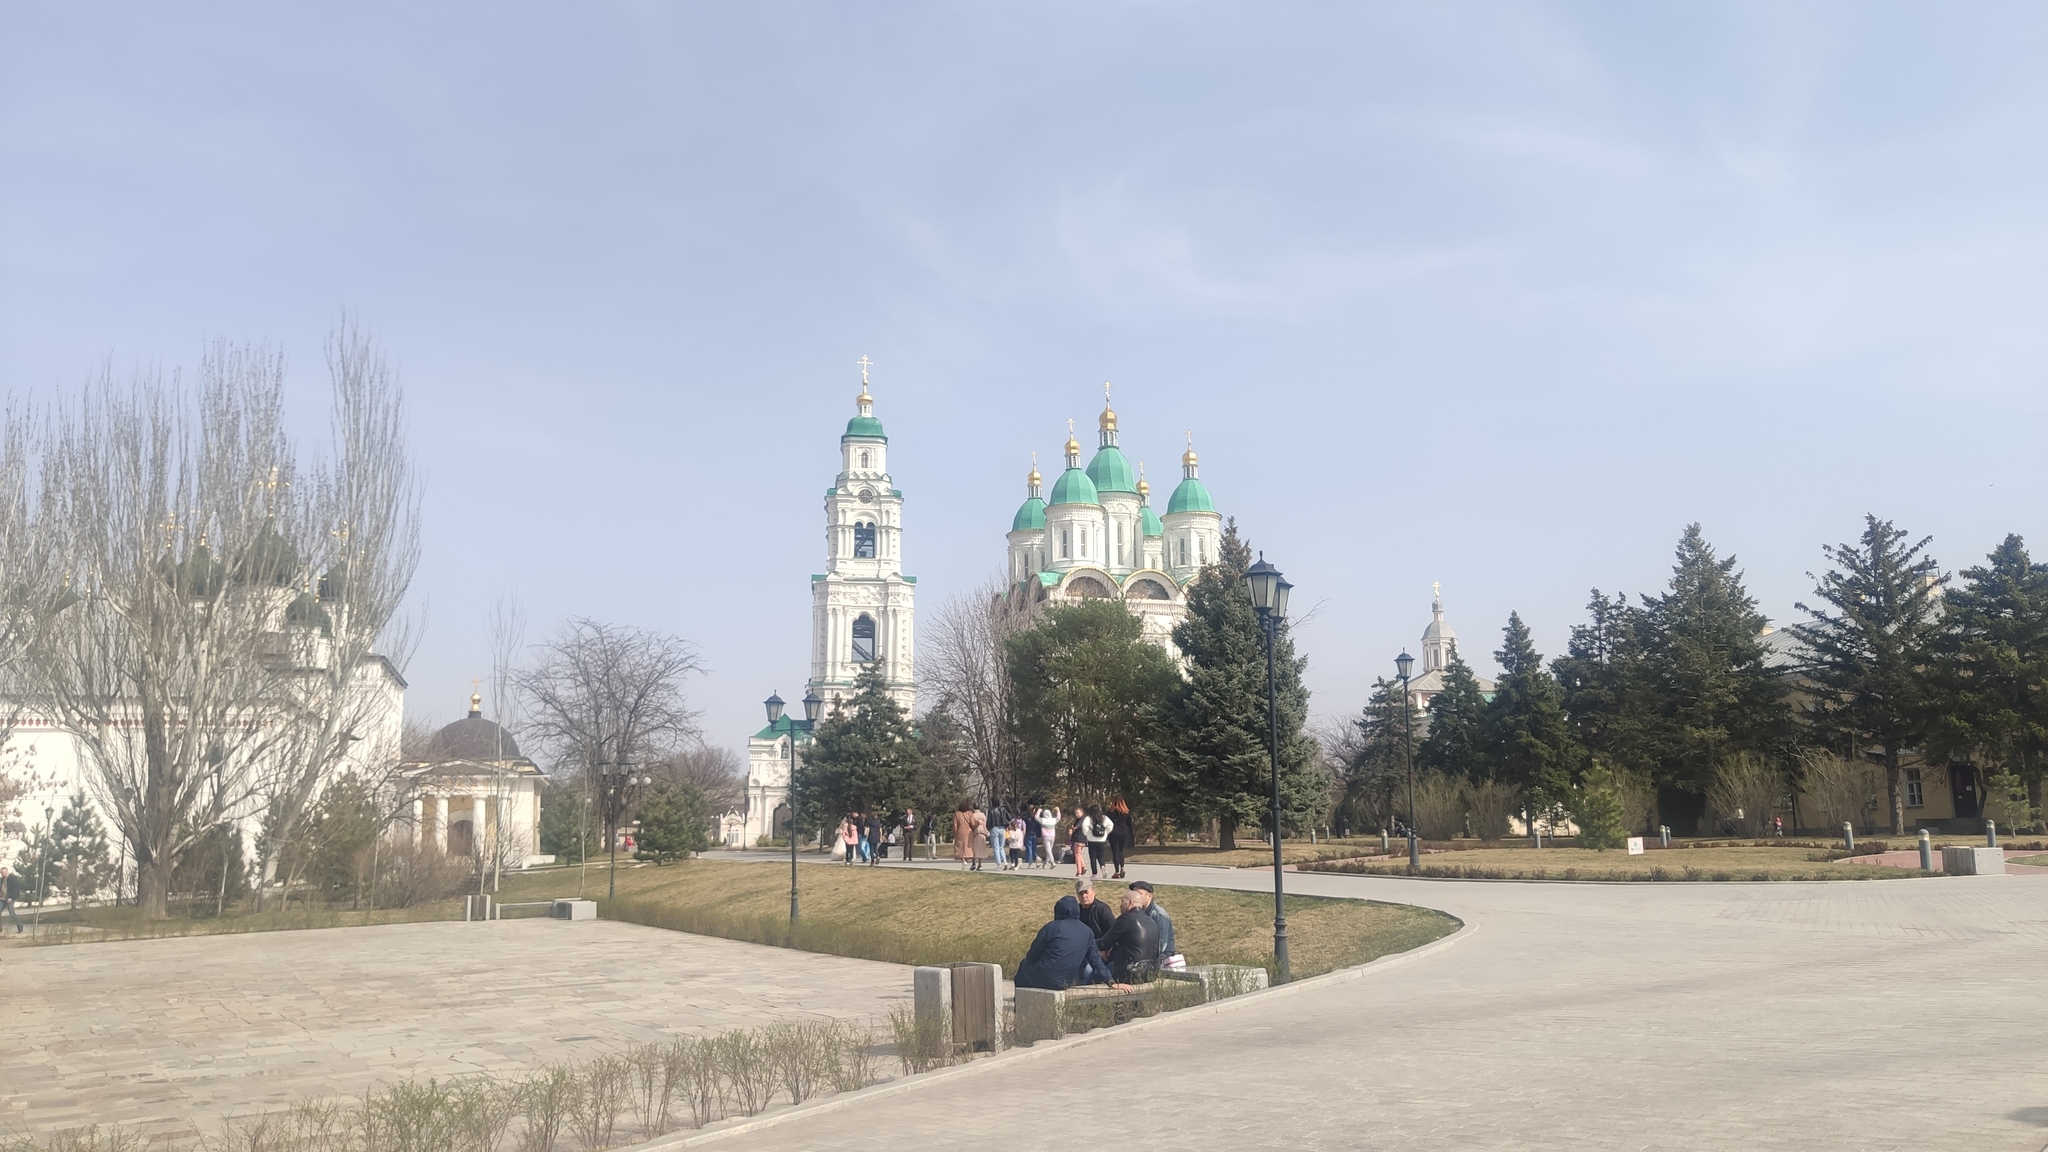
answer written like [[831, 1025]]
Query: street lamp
[[1269, 598], [1403, 664], [618, 777], [814, 706], [43, 866]]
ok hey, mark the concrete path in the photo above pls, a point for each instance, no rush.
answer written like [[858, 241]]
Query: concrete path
[[166, 1034], [1845, 1015]]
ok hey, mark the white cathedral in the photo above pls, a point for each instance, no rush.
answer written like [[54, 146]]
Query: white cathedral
[[860, 615], [1439, 644], [1099, 539]]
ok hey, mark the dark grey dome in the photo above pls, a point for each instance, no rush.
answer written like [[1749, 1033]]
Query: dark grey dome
[[472, 738]]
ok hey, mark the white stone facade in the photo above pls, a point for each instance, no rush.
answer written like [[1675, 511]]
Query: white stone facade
[[862, 611], [1099, 539]]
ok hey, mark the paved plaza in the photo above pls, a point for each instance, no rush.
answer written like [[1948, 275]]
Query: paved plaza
[[163, 1034], [1897, 1014]]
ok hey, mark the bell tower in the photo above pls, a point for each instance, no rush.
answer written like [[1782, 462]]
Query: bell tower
[[861, 605]]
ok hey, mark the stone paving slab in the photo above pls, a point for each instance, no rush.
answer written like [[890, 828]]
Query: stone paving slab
[[1845, 1015], [166, 1034]]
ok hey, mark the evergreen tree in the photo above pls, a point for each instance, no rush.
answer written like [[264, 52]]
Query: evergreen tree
[[864, 757], [1990, 688], [1711, 695], [73, 854], [1869, 644], [1597, 809], [1603, 676], [1378, 770], [1222, 764], [568, 822], [1456, 740], [1526, 728], [675, 823], [1090, 695]]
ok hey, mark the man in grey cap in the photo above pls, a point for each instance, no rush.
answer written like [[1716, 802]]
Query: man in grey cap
[[1159, 917], [1094, 913]]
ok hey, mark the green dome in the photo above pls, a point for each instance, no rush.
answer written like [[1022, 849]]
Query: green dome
[[271, 559], [1030, 515], [866, 426], [1074, 487], [1111, 472], [1190, 497], [1149, 520], [306, 612]]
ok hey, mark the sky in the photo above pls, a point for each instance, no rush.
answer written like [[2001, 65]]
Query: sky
[[1500, 296]]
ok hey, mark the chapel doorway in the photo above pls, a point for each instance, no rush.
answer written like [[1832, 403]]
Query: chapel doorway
[[1962, 787], [461, 838]]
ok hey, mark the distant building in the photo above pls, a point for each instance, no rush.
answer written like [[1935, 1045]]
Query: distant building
[[1098, 538], [474, 794], [1439, 644], [861, 613]]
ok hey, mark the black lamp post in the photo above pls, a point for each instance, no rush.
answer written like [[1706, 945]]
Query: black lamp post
[[1403, 664], [618, 778], [1269, 598], [814, 706]]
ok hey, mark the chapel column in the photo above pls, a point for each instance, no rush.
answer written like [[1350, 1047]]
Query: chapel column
[[441, 823]]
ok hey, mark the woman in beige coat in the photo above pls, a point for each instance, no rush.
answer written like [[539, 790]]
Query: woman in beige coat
[[963, 834]]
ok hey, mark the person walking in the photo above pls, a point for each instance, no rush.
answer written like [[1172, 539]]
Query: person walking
[[1120, 834], [909, 835], [963, 834], [1048, 819], [1095, 828], [998, 822], [10, 891], [981, 835], [1077, 843], [1014, 840], [871, 833]]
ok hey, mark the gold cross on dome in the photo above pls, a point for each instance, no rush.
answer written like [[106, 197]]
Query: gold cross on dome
[[1438, 589], [865, 364], [1070, 427], [1105, 393]]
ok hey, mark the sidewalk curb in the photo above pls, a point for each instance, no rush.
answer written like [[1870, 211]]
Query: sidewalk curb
[[1044, 1048]]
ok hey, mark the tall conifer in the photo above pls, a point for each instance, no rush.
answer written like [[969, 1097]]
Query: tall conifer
[[1991, 685], [1869, 643], [1221, 763], [1526, 727], [1456, 740]]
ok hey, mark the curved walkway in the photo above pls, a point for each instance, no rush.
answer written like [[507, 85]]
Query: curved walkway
[[1852, 1015]]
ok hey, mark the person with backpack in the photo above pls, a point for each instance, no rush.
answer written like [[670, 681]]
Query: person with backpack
[[1095, 829]]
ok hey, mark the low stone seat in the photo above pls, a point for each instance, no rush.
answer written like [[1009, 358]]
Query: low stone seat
[[1220, 980], [573, 910], [1969, 861], [1040, 1012]]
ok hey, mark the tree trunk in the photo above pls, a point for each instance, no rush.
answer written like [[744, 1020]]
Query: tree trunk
[[153, 887], [1897, 798], [1226, 834]]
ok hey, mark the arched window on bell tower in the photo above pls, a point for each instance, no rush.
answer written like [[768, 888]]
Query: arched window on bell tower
[[864, 639], [864, 541]]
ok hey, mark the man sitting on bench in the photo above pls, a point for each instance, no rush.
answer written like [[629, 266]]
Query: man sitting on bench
[[1132, 946], [1064, 954]]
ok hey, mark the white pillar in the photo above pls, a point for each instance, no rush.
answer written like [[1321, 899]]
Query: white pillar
[[418, 814], [441, 823]]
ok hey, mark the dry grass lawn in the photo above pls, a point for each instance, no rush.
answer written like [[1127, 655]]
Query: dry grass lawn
[[1675, 863], [1250, 853], [87, 925], [926, 917]]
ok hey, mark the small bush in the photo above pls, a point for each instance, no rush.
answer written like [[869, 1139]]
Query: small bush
[[547, 1099], [921, 1045]]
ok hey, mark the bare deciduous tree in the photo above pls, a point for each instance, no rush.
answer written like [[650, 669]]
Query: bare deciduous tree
[[716, 771], [966, 671], [161, 502], [604, 695], [343, 640]]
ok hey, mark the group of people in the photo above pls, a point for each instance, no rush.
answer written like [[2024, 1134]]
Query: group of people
[[861, 838], [1027, 836], [1086, 944]]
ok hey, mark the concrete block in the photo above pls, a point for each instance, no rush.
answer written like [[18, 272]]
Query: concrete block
[[574, 910], [1220, 980], [1038, 1014], [931, 996], [1967, 861]]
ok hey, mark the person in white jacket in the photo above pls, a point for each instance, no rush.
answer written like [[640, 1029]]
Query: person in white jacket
[[1048, 822]]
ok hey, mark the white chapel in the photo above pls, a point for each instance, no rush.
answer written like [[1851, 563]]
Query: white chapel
[[861, 615], [1439, 644]]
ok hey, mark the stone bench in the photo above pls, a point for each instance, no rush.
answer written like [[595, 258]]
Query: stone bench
[[1041, 1012], [1220, 980], [1967, 861]]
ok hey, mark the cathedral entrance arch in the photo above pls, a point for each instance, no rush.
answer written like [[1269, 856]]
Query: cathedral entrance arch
[[1089, 588]]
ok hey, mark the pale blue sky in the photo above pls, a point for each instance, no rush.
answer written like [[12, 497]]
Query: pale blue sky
[[1496, 295]]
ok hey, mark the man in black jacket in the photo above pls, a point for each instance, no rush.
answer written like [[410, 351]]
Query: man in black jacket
[[1094, 913], [1063, 954], [1132, 946]]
